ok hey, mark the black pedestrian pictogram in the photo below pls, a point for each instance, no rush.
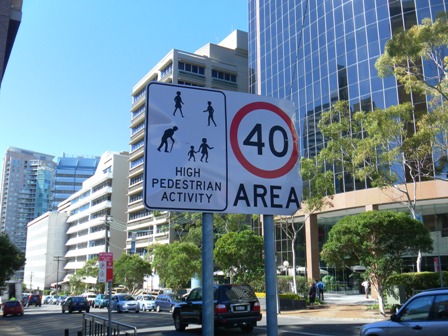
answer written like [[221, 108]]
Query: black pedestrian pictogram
[[203, 148], [168, 134], [191, 153], [210, 111], [178, 104]]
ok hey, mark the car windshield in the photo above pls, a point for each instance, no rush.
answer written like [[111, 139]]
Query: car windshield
[[237, 293]]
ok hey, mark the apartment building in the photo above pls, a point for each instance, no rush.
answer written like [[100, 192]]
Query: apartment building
[[220, 66]]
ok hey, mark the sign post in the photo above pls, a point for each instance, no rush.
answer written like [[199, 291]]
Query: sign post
[[225, 152], [106, 274]]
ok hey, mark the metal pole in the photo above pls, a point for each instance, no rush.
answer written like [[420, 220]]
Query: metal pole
[[208, 314], [109, 283], [270, 274]]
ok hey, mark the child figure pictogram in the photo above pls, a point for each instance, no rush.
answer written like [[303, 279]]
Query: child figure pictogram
[[203, 148], [191, 153], [210, 111]]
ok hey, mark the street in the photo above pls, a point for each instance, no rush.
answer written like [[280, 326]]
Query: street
[[49, 321]]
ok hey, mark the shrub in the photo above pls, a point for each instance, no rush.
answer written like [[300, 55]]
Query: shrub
[[411, 282]]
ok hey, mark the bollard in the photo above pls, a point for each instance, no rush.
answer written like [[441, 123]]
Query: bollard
[[65, 332]]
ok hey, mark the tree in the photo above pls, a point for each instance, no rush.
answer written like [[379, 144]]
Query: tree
[[129, 270], [240, 254], [177, 263], [90, 269], [377, 240], [381, 147], [404, 56], [11, 258]]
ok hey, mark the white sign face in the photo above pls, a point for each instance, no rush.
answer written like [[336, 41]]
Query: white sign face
[[219, 151]]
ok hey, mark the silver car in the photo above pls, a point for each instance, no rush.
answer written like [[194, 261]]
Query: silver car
[[146, 302], [124, 303], [425, 314]]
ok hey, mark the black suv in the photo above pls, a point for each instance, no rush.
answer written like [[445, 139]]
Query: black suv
[[235, 306]]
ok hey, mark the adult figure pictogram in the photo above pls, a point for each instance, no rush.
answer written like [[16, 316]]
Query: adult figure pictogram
[[168, 134], [178, 104], [203, 148], [210, 111]]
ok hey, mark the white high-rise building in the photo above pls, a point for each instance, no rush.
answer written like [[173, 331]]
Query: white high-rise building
[[222, 66]]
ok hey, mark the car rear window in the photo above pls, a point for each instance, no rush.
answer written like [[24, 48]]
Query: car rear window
[[237, 293], [12, 303], [79, 299]]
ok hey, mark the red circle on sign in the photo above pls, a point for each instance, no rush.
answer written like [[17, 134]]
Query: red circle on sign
[[245, 110]]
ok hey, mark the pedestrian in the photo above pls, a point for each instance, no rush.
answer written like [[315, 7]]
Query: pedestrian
[[320, 288], [366, 285], [312, 294]]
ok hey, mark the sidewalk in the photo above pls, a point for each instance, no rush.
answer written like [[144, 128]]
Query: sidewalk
[[341, 306]]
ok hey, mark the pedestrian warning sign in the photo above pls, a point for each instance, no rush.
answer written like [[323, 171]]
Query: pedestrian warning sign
[[219, 151]]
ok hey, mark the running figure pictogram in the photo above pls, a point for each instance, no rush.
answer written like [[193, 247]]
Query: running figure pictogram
[[210, 111], [168, 134], [203, 148], [178, 104]]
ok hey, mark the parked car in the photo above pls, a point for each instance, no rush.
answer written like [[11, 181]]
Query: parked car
[[124, 303], [167, 302], [75, 303], [101, 300], [424, 314], [146, 302], [235, 306], [34, 299], [12, 307], [61, 299], [47, 299], [54, 300], [90, 298]]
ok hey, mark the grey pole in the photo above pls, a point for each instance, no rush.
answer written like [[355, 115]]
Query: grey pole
[[208, 314], [270, 274]]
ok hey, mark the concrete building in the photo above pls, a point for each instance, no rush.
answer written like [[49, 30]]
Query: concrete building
[[45, 250], [10, 18], [220, 66], [316, 53], [97, 213]]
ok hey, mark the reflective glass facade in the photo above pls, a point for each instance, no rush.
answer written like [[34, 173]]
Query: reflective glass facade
[[316, 52]]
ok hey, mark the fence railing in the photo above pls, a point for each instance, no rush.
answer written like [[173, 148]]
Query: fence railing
[[94, 325]]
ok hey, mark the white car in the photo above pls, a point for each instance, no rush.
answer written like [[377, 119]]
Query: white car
[[146, 302], [424, 314]]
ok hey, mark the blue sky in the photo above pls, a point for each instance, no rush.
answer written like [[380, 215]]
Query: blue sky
[[68, 82]]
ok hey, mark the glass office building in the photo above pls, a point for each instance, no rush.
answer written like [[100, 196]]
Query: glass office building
[[316, 52]]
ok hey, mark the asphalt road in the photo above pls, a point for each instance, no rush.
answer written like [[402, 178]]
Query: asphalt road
[[49, 321]]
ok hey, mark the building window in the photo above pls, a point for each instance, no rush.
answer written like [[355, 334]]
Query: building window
[[225, 76], [196, 69]]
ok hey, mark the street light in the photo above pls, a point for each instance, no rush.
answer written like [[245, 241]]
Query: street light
[[285, 266]]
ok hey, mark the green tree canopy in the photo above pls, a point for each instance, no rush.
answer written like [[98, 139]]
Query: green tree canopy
[[377, 240], [240, 254], [11, 258], [177, 263], [130, 270]]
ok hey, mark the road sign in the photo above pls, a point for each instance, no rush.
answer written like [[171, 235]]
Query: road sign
[[105, 267], [219, 151]]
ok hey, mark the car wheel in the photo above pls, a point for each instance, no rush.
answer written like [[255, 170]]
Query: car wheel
[[63, 311], [178, 325], [4, 315], [70, 311], [144, 308], [158, 309], [137, 311], [172, 309], [119, 309], [247, 328], [87, 310]]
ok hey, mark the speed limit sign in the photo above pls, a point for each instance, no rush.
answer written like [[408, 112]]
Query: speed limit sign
[[220, 151]]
